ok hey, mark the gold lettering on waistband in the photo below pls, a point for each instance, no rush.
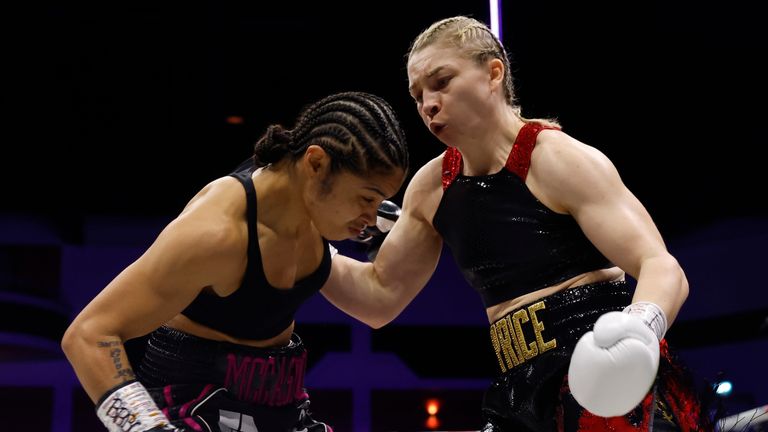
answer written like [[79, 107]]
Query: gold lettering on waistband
[[508, 339], [515, 341], [502, 338], [497, 348], [538, 327], [529, 350]]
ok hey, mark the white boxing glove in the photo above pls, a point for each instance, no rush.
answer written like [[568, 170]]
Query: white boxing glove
[[386, 216], [614, 366], [373, 236]]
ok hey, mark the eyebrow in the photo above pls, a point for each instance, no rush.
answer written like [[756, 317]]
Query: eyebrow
[[377, 190], [429, 75]]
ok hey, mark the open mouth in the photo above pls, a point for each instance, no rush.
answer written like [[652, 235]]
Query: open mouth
[[436, 128], [356, 232]]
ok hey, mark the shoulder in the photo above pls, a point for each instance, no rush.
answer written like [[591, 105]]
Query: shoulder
[[565, 171], [427, 180], [430, 174], [221, 193], [558, 155], [213, 222], [425, 190]]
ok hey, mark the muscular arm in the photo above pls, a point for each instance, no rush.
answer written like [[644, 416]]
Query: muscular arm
[[187, 256], [376, 293], [579, 180]]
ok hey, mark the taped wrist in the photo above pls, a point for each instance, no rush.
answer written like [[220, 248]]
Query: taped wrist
[[652, 316], [129, 407]]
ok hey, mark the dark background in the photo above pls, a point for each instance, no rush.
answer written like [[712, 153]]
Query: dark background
[[115, 115], [122, 107]]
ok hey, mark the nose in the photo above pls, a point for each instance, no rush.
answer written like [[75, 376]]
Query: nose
[[431, 105], [369, 214]]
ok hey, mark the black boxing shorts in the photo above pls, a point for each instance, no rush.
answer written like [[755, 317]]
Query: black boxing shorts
[[205, 385], [533, 346]]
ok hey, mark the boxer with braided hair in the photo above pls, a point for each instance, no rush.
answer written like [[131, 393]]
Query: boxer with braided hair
[[218, 289], [543, 228]]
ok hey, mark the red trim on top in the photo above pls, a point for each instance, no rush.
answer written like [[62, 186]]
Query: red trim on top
[[451, 166], [519, 160]]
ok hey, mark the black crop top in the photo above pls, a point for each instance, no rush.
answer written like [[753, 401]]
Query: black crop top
[[504, 240], [256, 310]]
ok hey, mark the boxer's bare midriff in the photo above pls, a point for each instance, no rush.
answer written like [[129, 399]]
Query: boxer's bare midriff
[[610, 274], [182, 323]]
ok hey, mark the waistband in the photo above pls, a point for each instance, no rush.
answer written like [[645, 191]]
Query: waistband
[[555, 322], [267, 376]]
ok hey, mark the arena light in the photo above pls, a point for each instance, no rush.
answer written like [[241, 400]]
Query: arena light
[[432, 422], [235, 120], [496, 17], [433, 406], [724, 388]]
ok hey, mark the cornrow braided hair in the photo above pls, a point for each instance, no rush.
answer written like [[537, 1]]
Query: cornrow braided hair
[[476, 41], [359, 131], [471, 36]]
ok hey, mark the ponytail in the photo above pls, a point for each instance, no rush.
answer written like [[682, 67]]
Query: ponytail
[[272, 146]]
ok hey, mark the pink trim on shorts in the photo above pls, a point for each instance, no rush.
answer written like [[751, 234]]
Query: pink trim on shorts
[[186, 406], [168, 395], [193, 424]]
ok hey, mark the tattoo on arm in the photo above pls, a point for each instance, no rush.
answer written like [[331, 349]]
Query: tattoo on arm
[[115, 351]]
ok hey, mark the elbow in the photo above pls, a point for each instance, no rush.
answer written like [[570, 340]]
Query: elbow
[[678, 282], [69, 341], [681, 282], [375, 325], [683, 287], [81, 334], [378, 322], [384, 317]]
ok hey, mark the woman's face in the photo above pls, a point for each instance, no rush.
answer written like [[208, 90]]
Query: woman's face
[[342, 204], [453, 93]]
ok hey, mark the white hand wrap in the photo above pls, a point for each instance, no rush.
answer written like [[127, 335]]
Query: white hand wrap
[[130, 408], [652, 316]]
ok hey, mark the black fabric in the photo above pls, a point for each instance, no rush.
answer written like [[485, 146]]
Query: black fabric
[[199, 383], [201, 407], [505, 241], [256, 310], [526, 395], [534, 394], [267, 376]]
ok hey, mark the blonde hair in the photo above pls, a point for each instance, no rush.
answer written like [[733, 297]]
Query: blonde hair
[[474, 40]]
